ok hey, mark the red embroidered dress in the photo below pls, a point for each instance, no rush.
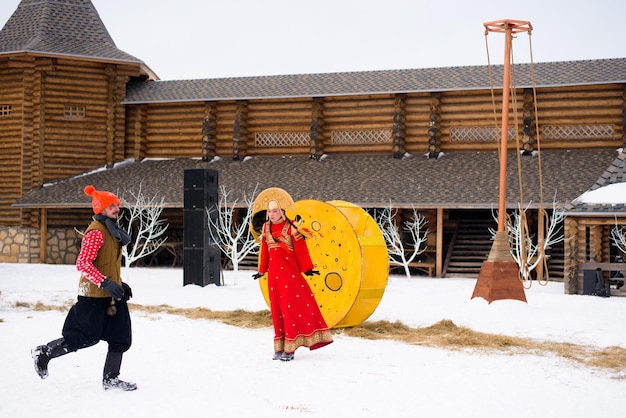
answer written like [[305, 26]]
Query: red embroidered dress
[[297, 319]]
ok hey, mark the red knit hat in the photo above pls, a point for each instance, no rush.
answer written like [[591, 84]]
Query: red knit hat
[[100, 199]]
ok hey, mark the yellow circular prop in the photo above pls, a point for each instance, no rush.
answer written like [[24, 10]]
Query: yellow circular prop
[[334, 249], [374, 263], [349, 251]]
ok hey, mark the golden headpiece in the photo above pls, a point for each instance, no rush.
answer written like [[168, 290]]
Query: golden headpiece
[[259, 208]]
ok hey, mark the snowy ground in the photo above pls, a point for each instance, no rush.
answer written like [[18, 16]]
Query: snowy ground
[[200, 368]]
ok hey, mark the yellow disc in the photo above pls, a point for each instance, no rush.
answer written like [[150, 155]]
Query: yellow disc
[[349, 251], [374, 263], [334, 250]]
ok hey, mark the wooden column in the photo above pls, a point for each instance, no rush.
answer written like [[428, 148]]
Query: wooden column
[[111, 72], [43, 232], [32, 164], [434, 133], [138, 133], [570, 251], [209, 132], [528, 121], [581, 253], [624, 118], [439, 250], [240, 132], [595, 243], [398, 135], [37, 175], [316, 144]]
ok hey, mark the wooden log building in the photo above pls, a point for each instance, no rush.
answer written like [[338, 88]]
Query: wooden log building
[[75, 113]]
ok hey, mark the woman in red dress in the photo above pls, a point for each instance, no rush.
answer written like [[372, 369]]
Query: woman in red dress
[[297, 319]]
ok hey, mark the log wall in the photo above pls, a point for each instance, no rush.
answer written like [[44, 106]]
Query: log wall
[[417, 122], [76, 144], [358, 113], [469, 110], [174, 130], [568, 107], [581, 106], [225, 127], [11, 126], [39, 142], [135, 145], [587, 240], [279, 116]]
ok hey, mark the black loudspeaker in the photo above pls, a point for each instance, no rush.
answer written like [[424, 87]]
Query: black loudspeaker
[[201, 255], [194, 232], [589, 282], [202, 266], [594, 284], [201, 187]]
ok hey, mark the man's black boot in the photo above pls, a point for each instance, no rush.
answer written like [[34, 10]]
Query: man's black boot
[[111, 372], [42, 354]]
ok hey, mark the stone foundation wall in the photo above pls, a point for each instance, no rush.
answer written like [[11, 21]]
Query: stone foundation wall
[[62, 246], [21, 245]]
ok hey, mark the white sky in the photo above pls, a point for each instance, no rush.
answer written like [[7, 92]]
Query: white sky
[[186, 39]]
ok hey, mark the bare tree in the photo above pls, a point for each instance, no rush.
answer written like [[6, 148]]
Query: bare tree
[[527, 250], [618, 236], [141, 220], [232, 236], [392, 233]]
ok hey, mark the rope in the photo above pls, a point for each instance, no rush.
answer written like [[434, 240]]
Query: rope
[[542, 215], [524, 272], [493, 96]]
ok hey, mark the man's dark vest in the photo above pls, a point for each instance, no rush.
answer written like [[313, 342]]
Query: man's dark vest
[[108, 262]]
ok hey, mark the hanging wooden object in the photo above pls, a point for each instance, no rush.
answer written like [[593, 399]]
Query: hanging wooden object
[[499, 275]]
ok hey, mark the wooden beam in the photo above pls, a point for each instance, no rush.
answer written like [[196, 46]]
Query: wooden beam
[[43, 232], [439, 250]]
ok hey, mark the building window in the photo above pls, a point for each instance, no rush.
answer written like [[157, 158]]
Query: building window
[[483, 133], [6, 110], [74, 111], [555, 132], [382, 136], [578, 131], [281, 139]]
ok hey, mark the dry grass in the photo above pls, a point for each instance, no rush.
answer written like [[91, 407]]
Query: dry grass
[[238, 317], [42, 307], [444, 334]]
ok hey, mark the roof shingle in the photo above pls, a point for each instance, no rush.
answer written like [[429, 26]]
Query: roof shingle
[[457, 180], [60, 27], [570, 73]]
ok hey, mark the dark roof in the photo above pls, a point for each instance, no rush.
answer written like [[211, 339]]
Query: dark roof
[[616, 173], [456, 180], [70, 28], [568, 73]]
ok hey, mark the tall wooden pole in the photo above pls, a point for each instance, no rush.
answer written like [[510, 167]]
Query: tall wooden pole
[[499, 275], [504, 138]]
